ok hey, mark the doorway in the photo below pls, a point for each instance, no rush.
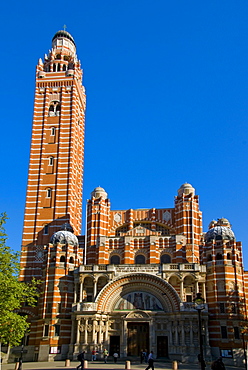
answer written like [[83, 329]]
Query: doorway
[[114, 345], [137, 337], [162, 346]]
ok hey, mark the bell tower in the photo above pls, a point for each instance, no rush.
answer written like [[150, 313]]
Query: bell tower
[[54, 190]]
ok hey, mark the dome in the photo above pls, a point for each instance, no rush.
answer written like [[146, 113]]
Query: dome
[[219, 233], [99, 192], [187, 189], [64, 237], [65, 34], [212, 224], [223, 222]]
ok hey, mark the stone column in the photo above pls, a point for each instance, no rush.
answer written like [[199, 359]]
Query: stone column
[[204, 290], [152, 335], [100, 331], [94, 334], [191, 335], [170, 335], [106, 330], [181, 289], [94, 290], [124, 338], [86, 332], [80, 291], [176, 335], [78, 331], [182, 334], [196, 286], [72, 330], [75, 292]]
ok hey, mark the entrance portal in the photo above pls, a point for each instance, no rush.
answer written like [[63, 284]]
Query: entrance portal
[[137, 337], [114, 345], [162, 346]]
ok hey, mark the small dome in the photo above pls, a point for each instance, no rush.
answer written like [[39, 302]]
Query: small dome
[[212, 224], [64, 237], [219, 233], [223, 222], [65, 34], [187, 189], [99, 192]]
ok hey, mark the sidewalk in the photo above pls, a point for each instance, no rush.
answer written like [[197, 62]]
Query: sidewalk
[[100, 365]]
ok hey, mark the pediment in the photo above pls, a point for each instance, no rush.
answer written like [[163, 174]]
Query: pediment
[[137, 315], [141, 231]]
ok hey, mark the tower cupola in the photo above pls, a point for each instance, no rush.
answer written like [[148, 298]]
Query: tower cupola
[[186, 189], [64, 40]]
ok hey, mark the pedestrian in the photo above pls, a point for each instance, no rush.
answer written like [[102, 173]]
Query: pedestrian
[[150, 361], [145, 355], [115, 355], [81, 359], [141, 356], [218, 364], [93, 355], [105, 355]]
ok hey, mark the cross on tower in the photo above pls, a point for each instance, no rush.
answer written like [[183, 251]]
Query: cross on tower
[[65, 27]]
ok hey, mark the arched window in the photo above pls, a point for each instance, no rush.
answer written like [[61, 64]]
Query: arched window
[[51, 110], [218, 256], [45, 231], [228, 256], [49, 192], [71, 260], [64, 67], [140, 259], [165, 258], [62, 259], [54, 108], [115, 260], [54, 67], [209, 257], [57, 110], [58, 69], [51, 160], [53, 131]]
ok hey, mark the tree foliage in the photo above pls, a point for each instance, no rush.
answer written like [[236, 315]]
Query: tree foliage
[[13, 293]]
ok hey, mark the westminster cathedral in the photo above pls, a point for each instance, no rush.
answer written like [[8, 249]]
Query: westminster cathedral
[[131, 282]]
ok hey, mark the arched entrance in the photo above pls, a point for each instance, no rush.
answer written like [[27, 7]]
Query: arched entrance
[[137, 337]]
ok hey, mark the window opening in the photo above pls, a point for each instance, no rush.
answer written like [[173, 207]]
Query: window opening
[[140, 259], [115, 260]]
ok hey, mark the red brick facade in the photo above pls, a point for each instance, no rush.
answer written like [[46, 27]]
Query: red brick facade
[[135, 270]]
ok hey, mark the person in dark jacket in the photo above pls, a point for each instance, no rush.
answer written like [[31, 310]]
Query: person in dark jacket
[[150, 361], [81, 359], [218, 364]]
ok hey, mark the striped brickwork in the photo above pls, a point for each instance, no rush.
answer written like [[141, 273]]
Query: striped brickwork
[[54, 190], [148, 232], [226, 292]]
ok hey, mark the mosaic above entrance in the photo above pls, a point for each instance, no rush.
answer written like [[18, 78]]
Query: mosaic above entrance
[[138, 300]]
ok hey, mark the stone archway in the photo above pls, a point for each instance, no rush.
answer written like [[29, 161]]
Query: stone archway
[[163, 295]]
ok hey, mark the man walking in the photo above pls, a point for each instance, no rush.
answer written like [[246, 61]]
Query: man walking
[[150, 361], [81, 359], [105, 355]]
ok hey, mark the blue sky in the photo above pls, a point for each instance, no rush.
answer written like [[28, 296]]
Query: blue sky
[[166, 85]]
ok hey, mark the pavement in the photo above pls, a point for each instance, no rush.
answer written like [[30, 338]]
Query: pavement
[[100, 365]]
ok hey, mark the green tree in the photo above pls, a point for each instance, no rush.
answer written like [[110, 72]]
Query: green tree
[[13, 293]]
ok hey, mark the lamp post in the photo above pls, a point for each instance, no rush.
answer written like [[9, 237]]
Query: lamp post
[[199, 306], [22, 350]]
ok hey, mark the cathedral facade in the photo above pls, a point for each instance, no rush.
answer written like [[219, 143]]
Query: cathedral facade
[[129, 284]]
